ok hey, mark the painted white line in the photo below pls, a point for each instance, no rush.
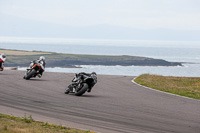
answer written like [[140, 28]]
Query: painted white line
[[133, 81]]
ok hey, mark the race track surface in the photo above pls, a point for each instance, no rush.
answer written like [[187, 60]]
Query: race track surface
[[115, 105]]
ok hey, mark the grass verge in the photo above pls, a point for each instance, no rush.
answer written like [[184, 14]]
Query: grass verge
[[12, 124], [184, 86]]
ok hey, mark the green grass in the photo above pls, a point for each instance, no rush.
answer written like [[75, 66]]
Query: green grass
[[184, 86], [12, 124]]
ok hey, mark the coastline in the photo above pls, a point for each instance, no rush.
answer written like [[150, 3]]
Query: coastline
[[22, 58], [180, 71]]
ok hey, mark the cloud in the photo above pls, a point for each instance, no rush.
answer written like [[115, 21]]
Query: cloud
[[140, 14]]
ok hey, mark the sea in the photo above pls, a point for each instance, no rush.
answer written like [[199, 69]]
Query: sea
[[176, 51]]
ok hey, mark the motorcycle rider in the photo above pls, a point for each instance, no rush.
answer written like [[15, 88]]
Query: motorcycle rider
[[2, 60], [83, 75], [94, 76], [41, 61]]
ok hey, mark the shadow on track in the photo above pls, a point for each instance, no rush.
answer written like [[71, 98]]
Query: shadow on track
[[84, 95], [36, 80]]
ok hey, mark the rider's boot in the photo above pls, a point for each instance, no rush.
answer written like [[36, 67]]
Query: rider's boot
[[39, 75]]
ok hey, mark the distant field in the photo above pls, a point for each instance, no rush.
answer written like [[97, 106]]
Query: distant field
[[184, 86], [16, 52]]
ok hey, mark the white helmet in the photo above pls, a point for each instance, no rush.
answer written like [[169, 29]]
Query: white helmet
[[42, 58], [3, 55]]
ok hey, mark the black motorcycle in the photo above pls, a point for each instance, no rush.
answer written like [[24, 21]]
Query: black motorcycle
[[81, 83], [33, 71]]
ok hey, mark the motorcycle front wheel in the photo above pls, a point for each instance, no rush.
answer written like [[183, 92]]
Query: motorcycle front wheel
[[67, 90], [82, 90], [30, 74]]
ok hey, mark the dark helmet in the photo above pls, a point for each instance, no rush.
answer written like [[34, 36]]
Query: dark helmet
[[93, 73]]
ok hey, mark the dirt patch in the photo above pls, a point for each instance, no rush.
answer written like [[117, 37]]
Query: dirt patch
[[15, 52]]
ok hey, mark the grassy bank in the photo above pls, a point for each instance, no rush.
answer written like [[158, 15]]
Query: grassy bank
[[184, 86], [12, 124]]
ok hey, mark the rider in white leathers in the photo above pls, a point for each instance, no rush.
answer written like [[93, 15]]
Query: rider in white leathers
[[41, 62]]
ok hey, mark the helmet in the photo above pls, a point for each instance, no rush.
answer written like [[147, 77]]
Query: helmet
[[42, 58], [3, 55], [93, 73]]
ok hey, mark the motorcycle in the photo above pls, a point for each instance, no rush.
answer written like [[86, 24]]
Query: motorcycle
[[1, 65], [81, 83], [33, 70], [2, 60]]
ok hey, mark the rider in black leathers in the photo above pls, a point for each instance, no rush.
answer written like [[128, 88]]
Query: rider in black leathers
[[82, 75]]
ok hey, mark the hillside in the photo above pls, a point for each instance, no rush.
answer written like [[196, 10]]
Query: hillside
[[22, 59]]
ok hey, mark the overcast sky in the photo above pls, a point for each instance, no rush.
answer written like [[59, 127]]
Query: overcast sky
[[102, 19]]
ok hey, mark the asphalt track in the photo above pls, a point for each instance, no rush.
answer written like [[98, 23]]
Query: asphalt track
[[115, 105]]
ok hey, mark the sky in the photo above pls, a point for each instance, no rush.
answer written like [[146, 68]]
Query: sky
[[162, 20]]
